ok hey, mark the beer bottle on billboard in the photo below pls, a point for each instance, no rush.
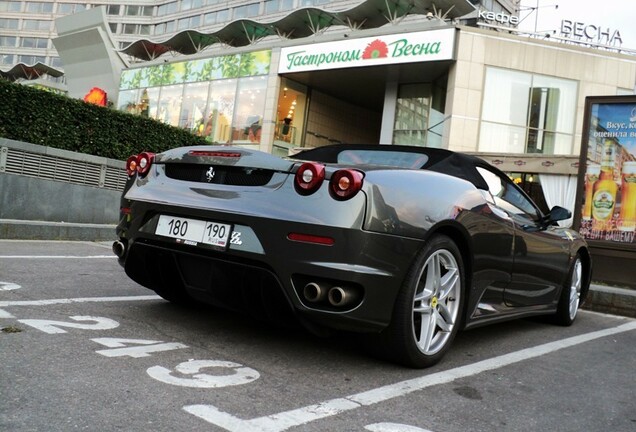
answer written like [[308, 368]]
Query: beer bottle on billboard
[[605, 189], [591, 177], [627, 215]]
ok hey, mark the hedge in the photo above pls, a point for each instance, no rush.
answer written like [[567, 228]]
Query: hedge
[[39, 117]]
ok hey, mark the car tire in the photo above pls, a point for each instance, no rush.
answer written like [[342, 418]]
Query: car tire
[[428, 311], [570, 298]]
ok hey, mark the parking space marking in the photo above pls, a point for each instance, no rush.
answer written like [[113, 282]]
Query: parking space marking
[[77, 300], [293, 418], [5, 314], [8, 286], [393, 427], [57, 256]]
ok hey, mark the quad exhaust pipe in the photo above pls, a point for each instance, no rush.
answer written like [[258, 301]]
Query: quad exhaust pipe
[[336, 296], [314, 292]]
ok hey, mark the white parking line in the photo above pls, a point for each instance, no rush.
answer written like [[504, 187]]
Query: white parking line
[[5, 314], [282, 421], [77, 300], [56, 256]]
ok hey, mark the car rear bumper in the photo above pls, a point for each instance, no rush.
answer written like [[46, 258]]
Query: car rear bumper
[[267, 270]]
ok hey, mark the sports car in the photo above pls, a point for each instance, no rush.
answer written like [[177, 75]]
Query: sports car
[[406, 244]]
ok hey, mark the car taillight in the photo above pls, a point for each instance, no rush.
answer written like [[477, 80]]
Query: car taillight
[[309, 177], [345, 184], [131, 165], [144, 162]]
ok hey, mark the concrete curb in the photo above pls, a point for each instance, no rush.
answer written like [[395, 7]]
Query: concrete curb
[[12, 229], [612, 300]]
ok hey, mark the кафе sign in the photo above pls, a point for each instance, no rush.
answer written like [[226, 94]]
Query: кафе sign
[[373, 51]]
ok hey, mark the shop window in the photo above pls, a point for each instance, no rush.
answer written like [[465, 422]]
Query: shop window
[[527, 113], [169, 105], [128, 101], [250, 104], [220, 111], [193, 108]]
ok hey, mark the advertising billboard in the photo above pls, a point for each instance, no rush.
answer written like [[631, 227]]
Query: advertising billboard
[[607, 172]]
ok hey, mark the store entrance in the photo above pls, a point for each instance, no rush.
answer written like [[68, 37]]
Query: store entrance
[[391, 104]]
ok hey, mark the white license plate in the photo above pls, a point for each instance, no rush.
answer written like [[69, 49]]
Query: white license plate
[[194, 230]]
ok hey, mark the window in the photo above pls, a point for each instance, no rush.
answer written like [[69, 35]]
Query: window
[[31, 60], [527, 113], [10, 6], [217, 17], [250, 104], [39, 25], [7, 41], [166, 9], [193, 107], [246, 11], [139, 10], [129, 29], [113, 9], [507, 196], [113, 27], [8, 24], [39, 7], [29, 42], [7, 59], [160, 28], [132, 10], [56, 62], [70, 8]]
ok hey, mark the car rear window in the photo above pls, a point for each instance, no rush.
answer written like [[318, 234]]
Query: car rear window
[[385, 158]]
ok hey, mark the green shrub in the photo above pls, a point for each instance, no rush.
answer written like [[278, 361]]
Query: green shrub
[[44, 118]]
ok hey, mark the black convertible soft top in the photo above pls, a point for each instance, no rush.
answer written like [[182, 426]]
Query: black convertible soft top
[[458, 165]]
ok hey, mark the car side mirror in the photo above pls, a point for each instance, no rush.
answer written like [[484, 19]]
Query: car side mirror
[[558, 214]]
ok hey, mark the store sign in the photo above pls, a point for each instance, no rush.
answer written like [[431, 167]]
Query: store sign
[[590, 33], [499, 18], [608, 169], [381, 50]]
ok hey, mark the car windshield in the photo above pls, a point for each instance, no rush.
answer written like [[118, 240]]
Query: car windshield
[[385, 158]]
